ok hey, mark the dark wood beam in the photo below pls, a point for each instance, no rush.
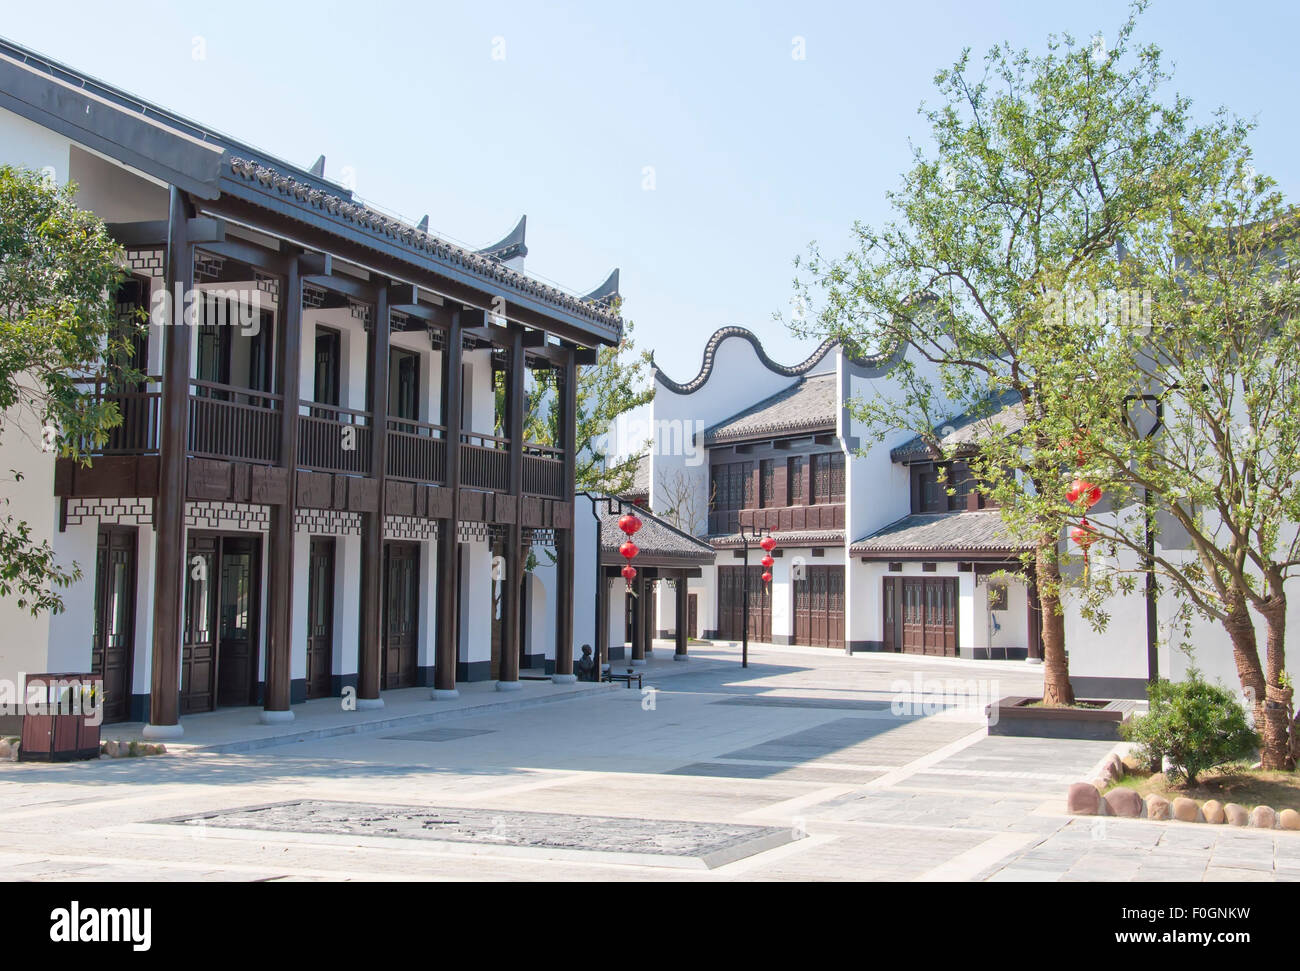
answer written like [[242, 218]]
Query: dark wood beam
[[169, 507], [346, 285], [280, 599], [372, 523], [153, 232], [258, 257], [447, 635]]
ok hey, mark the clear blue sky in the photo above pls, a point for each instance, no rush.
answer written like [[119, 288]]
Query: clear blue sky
[[754, 153]]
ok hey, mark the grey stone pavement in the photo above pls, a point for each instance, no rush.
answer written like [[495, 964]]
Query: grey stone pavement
[[808, 765]]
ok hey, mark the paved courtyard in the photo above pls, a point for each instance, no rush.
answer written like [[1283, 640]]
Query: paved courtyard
[[809, 765]]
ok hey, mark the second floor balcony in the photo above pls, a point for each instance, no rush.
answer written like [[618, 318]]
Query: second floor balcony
[[233, 423]]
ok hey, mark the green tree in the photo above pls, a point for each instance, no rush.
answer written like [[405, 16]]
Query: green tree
[[617, 383], [1217, 360], [1036, 165], [59, 272]]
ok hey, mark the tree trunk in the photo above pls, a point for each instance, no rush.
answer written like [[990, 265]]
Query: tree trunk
[[1056, 671], [1245, 652], [1275, 747]]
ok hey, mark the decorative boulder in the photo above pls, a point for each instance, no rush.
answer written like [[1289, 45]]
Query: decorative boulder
[[1083, 799], [160, 749], [1115, 766], [1237, 815], [4, 748], [1213, 812], [1157, 807], [1263, 817], [110, 748], [1289, 819], [1124, 802], [1186, 810]]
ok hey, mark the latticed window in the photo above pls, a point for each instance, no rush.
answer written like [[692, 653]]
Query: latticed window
[[766, 483], [828, 477], [794, 485], [733, 490]]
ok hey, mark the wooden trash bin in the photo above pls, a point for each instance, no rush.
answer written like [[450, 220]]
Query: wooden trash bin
[[65, 727]]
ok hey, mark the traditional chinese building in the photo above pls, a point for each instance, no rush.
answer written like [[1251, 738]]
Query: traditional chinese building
[[323, 483]]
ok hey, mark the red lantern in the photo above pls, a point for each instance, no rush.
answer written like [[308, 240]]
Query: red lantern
[[1083, 535], [768, 543], [1081, 490], [768, 561], [629, 573], [628, 550], [767, 578], [629, 523]]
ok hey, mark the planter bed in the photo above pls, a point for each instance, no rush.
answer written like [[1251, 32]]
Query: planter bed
[[1016, 715]]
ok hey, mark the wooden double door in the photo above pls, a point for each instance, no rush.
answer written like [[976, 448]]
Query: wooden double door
[[731, 600], [401, 615], [320, 618], [819, 607], [113, 635], [223, 600], [919, 615]]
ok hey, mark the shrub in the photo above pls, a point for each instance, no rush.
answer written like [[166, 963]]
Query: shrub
[[1195, 724]]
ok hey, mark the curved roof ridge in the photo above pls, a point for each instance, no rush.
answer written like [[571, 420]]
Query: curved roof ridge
[[744, 333]]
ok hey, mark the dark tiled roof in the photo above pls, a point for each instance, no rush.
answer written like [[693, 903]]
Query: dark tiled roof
[[808, 405], [1004, 411], [640, 480], [938, 532], [785, 538], [656, 538]]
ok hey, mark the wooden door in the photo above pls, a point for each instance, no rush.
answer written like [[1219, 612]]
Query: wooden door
[[111, 651], [889, 614], [834, 606], [199, 637], [401, 615], [731, 601], [913, 615], [320, 618], [239, 601], [819, 607]]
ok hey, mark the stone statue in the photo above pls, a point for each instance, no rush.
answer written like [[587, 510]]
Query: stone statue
[[585, 667]]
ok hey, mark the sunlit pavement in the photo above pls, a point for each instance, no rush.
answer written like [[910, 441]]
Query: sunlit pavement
[[807, 765]]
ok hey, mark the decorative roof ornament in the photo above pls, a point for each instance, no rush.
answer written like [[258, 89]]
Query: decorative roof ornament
[[510, 247], [318, 167], [605, 295]]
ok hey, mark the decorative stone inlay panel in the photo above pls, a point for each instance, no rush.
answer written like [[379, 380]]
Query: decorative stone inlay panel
[[227, 515], [711, 843], [110, 512], [328, 522], [410, 528], [539, 537]]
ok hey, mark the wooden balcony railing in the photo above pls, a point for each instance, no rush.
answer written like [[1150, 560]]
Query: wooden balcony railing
[[417, 451], [543, 471], [227, 422], [485, 462], [137, 432], [333, 439]]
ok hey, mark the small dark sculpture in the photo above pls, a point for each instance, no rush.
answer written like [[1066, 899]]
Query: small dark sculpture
[[585, 667]]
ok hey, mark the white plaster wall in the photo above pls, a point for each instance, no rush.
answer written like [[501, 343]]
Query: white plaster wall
[[426, 648], [476, 601], [298, 619], [347, 604], [30, 146]]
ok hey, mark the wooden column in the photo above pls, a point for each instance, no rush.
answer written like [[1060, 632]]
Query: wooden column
[[602, 617], [680, 653], [372, 523], [169, 507], [564, 587], [447, 636], [649, 618], [642, 590], [511, 586], [280, 553]]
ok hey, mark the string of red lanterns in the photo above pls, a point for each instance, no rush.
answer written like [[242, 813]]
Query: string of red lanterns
[[629, 523], [1082, 492], [768, 544]]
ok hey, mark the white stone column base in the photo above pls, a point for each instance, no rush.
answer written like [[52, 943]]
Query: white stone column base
[[1033, 660], [164, 731], [638, 662], [509, 685], [444, 694], [681, 657], [275, 717], [563, 678], [369, 704]]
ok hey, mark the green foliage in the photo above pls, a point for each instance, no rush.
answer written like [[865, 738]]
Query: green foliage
[[618, 382], [59, 271], [1194, 724]]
